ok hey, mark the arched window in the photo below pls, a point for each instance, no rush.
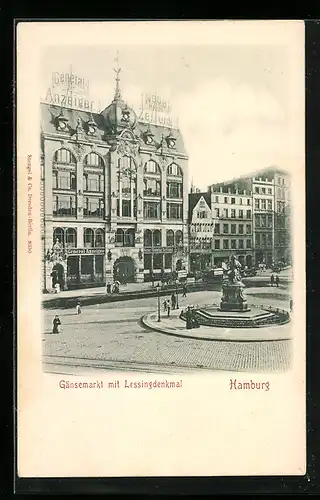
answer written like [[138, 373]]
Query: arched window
[[156, 238], [147, 238], [174, 169], [170, 238], [88, 237], [129, 238], [58, 236], [71, 237], [93, 160], [179, 238], [64, 156], [119, 237], [99, 238], [151, 167]]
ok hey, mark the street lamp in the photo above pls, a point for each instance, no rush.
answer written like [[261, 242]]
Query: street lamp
[[177, 283], [158, 291]]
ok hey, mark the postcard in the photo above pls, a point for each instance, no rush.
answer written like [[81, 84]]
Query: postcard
[[161, 325]]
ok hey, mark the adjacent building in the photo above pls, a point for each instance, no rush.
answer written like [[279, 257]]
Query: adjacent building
[[248, 216], [115, 196]]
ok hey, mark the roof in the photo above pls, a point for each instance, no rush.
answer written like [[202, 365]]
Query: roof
[[195, 197], [49, 112], [248, 177]]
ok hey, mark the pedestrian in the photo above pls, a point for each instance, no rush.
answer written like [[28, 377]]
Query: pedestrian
[[173, 301], [189, 318], [195, 323], [168, 308], [277, 280], [57, 287], [165, 306], [56, 323], [108, 287], [272, 280], [78, 308], [291, 305], [184, 290]]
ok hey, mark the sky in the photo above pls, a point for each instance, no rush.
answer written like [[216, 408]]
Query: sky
[[234, 104]]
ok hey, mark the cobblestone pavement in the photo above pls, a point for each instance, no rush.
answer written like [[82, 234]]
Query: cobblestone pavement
[[109, 333]]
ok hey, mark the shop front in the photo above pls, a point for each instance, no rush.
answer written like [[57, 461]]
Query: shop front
[[85, 267]]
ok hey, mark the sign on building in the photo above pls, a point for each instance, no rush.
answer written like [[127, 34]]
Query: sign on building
[[156, 110]]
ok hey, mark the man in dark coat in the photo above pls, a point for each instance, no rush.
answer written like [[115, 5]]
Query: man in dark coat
[[189, 318], [56, 323], [173, 301]]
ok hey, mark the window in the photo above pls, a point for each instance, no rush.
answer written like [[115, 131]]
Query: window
[[269, 240], [64, 180], [126, 185], [157, 261], [226, 199], [151, 167], [147, 238], [233, 200], [170, 238], [225, 228], [225, 213], [269, 190], [151, 210], [168, 261], [126, 208], [174, 169], [269, 221], [264, 240], [233, 244], [263, 204], [58, 236], [256, 190], [127, 176], [88, 238], [263, 221], [248, 243], [93, 160], [174, 211], [64, 156], [71, 237], [248, 201], [174, 190], [248, 214], [240, 214], [240, 228], [257, 203], [263, 190], [225, 244], [179, 238], [217, 212], [248, 228], [217, 229], [93, 207], [202, 215], [93, 182], [64, 205], [258, 242], [156, 238], [240, 244], [217, 244], [152, 187], [216, 199], [147, 261], [233, 228], [99, 238], [233, 213], [269, 204]]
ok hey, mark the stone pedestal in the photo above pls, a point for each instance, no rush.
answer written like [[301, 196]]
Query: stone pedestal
[[232, 298]]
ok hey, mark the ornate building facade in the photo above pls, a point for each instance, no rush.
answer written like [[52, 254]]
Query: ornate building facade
[[115, 196]]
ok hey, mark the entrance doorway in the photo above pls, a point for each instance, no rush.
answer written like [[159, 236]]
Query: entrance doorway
[[124, 270], [57, 275]]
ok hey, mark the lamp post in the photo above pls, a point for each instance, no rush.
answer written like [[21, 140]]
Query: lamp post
[[158, 291], [177, 283]]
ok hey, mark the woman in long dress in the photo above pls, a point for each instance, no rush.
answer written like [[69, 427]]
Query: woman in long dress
[[56, 323]]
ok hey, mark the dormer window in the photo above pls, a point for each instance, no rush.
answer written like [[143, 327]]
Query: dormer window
[[148, 136], [61, 122], [171, 140], [91, 127], [125, 115]]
